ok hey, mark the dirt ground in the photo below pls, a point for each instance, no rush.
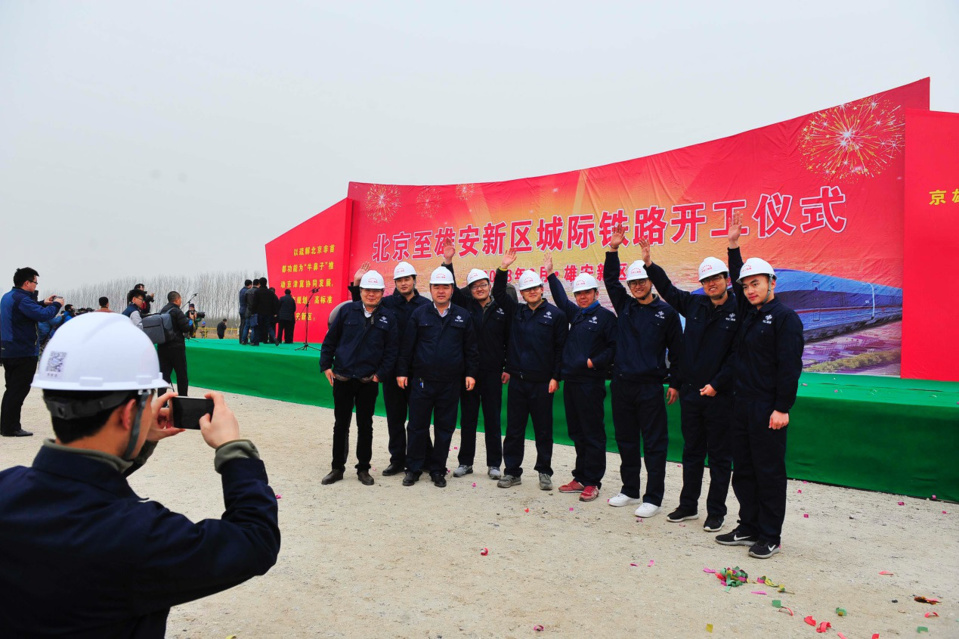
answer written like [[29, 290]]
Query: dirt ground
[[389, 561]]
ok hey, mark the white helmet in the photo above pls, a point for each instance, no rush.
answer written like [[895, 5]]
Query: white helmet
[[372, 280], [442, 275], [710, 267], [636, 271], [584, 282], [99, 352], [529, 279], [476, 275], [404, 269], [756, 266]]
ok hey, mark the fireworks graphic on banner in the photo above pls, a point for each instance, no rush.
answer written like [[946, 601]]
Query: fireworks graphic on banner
[[465, 191], [428, 202], [854, 140], [382, 202]]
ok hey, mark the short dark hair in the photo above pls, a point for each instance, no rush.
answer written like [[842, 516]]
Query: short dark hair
[[248, 283], [104, 302], [140, 285], [23, 275], [288, 291], [134, 294], [70, 430], [262, 282], [172, 296]]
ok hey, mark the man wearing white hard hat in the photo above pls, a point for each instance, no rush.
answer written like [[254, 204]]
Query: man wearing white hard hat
[[438, 356], [766, 364], [492, 329], [359, 352], [534, 355], [705, 395], [647, 332], [403, 301], [587, 358], [82, 554]]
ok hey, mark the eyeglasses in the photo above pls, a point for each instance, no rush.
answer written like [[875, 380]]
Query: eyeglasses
[[476, 285]]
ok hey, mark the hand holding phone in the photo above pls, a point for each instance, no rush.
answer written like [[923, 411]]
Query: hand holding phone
[[187, 411]]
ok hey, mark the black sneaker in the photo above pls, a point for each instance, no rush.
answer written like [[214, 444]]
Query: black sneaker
[[682, 514], [737, 538], [410, 478], [763, 549], [713, 523], [439, 481]]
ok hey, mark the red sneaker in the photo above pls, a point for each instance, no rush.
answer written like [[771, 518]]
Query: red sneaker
[[589, 493], [572, 487]]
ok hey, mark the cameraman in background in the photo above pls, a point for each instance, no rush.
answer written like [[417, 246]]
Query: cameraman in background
[[147, 297]]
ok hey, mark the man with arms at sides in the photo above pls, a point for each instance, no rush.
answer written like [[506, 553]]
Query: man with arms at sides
[[172, 354], [358, 353], [647, 328]]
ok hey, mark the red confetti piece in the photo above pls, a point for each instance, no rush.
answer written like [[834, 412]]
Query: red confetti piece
[[885, 572], [810, 620], [805, 515], [709, 570], [474, 484], [570, 509], [789, 610], [651, 562], [484, 552], [279, 496], [538, 628], [634, 565], [875, 636], [901, 503], [824, 626], [933, 497], [799, 491], [758, 592], [841, 636], [527, 510], [931, 614], [944, 513]]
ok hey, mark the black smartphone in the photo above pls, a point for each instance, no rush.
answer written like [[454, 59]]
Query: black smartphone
[[187, 411]]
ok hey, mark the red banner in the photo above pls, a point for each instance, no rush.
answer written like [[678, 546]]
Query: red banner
[[821, 196]]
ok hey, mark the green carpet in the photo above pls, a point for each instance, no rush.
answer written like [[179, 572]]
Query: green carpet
[[875, 433]]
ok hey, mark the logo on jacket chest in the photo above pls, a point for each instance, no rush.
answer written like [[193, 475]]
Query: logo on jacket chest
[[384, 320], [593, 320], [768, 319], [731, 317], [660, 315]]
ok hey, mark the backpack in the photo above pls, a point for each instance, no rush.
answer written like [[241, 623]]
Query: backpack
[[159, 328]]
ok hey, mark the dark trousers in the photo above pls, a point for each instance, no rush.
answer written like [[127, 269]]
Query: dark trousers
[[173, 360], [488, 392], [285, 333], [439, 401], [243, 329], [264, 325], [527, 401], [706, 430], [396, 402], [585, 421], [18, 374], [639, 413], [759, 469], [347, 396]]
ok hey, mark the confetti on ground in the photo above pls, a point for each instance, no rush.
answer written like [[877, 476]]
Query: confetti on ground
[[841, 636], [777, 603], [927, 600], [931, 614], [799, 491], [570, 509], [484, 552], [944, 513], [709, 627], [934, 498], [684, 525], [922, 629], [538, 628], [474, 484], [841, 612], [810, 620], [758, 592], [651, 562], [709, 570], [278, 496], [824, 626], [885, 572], [634, 565], [527, 510], [805, 515], [902, 503], [733, 577]]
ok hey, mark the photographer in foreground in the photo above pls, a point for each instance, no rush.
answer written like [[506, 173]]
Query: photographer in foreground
[[83, 555]]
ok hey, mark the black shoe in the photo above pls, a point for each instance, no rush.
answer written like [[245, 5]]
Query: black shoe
[[19, 433], [682, 514], [393, 469], [410, 478], [736, 538], [364, 477], [713, 523], [333, 477], [763, 549], [439, 481]]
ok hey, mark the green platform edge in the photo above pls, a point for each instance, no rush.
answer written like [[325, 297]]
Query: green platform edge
[[874, 433]]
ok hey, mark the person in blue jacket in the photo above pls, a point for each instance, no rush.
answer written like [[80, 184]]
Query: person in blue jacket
[[20, 312], [705, 394], [534, 359], [438, 355], [766, 363], [587, 358], [647, 332], [403, 301], [84, 556], [359, 352]]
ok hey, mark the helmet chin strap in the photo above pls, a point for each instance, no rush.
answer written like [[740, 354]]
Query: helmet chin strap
[[142, 400], [769, 292]]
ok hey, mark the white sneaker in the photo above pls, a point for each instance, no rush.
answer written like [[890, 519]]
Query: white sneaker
[[647, 510], [494, 472], [462, 470], [623, 500]]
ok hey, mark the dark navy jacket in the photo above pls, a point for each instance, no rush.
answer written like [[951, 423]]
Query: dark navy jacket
[[439, 349], [84, 557], [286, 310], [19, 314], [644, 333], [359, 347], [492, 328], [708, 336], [592, 335], [243, 292], [536, 338], [398, 304]]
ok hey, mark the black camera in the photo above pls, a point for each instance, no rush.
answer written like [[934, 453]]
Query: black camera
[[148, 298], [200, 315]]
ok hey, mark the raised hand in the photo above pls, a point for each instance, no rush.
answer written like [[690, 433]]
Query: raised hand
[[735, 230], [647, 251], [508, 258], [360, 272], [617, 238], [548, 262], [448, 251]]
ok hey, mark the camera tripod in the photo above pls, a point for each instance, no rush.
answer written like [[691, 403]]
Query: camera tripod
[[306, 313]]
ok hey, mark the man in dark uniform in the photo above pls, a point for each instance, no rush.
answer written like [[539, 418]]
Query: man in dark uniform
[[534, 355], [244, 320], [83, 556], [766, 364], [404, 300], [647, 327], [705, 395], [172, 353], [286, 318], [438, 350], [587, 357], [358, 353]]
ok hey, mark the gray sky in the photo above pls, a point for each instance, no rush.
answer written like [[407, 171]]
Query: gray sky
[[144, 138]]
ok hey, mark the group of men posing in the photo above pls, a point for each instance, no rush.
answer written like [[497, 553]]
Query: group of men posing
[[264, 317], [734, 369]]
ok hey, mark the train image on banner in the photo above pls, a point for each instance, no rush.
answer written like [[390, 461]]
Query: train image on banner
[[830, 306]]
